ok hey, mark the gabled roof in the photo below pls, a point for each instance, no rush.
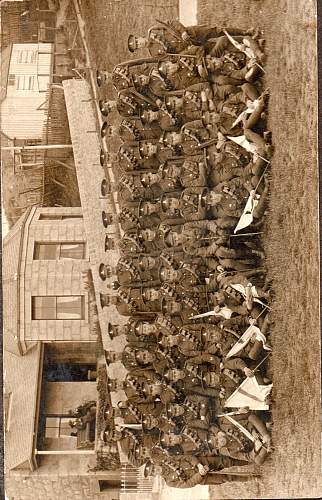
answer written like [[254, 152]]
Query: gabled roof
[[11, 257], [5, 56], [21, 379]]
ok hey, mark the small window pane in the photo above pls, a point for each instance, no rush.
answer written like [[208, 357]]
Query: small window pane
[[72, 251], [25, 82], [52, 422], [70, 307], [45, 251], [26, 56], [11, 80], [61, 307], [44, 308], [51, 432], [65, 428], [59, 217]]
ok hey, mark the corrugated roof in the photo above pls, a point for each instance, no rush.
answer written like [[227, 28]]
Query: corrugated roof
[[10, 284], [21, 380], [5, 56]]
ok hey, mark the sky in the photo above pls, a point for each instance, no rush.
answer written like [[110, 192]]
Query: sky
[[188, 12]]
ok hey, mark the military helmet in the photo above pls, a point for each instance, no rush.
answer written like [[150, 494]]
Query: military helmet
[[147, 422], [112, 385], [132, 43]]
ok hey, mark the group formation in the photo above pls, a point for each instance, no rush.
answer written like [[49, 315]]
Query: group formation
[[193, 184]]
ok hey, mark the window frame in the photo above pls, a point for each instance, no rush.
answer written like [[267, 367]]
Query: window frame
[[25, 83], [11, 80], [60, 418], [59, 247], [26, 56], [55, 308], [62, 217]]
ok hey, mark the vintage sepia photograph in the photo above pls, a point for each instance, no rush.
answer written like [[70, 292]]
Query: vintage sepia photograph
[[160, 250]]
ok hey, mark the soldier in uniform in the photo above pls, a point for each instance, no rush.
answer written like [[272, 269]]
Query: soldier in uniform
[[195, 411], [173, 175], [248, 439], [134, 129], [163, 120], [172, 37], [186, 471], [159, 423], [188, 442], [228, 377]]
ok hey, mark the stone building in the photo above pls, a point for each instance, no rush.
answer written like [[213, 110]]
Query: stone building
[[51, 362]]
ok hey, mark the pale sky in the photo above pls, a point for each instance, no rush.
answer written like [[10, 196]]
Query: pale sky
[[188, 12]]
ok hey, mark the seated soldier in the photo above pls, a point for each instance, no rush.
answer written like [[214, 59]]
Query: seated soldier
[[186, 471], [172, 37], [176, 74], [189, 382], [135, 129], [146, 363], [192, 103], [195, 411], [164, 119], [243, 436], [188, 442], [127, 104], [159, 423], [226, 380]]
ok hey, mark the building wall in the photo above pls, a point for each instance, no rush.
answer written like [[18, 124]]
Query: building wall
[[41, 277], [51, 487], [21, 117]]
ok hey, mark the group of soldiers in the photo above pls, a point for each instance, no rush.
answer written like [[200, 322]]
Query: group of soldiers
[[192, 175]]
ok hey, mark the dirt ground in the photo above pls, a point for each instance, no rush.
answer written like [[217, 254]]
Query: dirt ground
[[292, 244]]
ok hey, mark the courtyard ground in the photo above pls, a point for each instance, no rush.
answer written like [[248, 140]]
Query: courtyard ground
[[292, 241]]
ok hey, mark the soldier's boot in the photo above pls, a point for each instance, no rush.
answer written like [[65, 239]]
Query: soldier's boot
[[260, 457]]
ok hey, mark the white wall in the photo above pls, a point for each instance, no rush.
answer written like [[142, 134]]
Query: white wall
[[29, 76]]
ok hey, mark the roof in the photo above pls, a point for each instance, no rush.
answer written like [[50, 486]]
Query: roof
[[11, 257], [5, 56], [21, 380]]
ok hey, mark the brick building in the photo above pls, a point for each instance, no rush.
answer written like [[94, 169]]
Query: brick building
[[51, 359]]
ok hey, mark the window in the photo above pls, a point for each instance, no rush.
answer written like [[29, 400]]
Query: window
[[11, 80], [26, 56], [59, 217], [57, 427], [25, 82], [58, 307], [59, 251], [111, 484]]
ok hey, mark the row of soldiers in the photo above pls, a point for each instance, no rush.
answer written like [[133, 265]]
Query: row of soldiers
[[192, 174]]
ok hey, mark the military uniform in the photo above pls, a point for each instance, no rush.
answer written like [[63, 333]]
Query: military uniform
[[183, 472], [192, 203], [135, 298], [160, 85], [166, 38], [166, 120], [133, 130], [238, 445], [130, 104]]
